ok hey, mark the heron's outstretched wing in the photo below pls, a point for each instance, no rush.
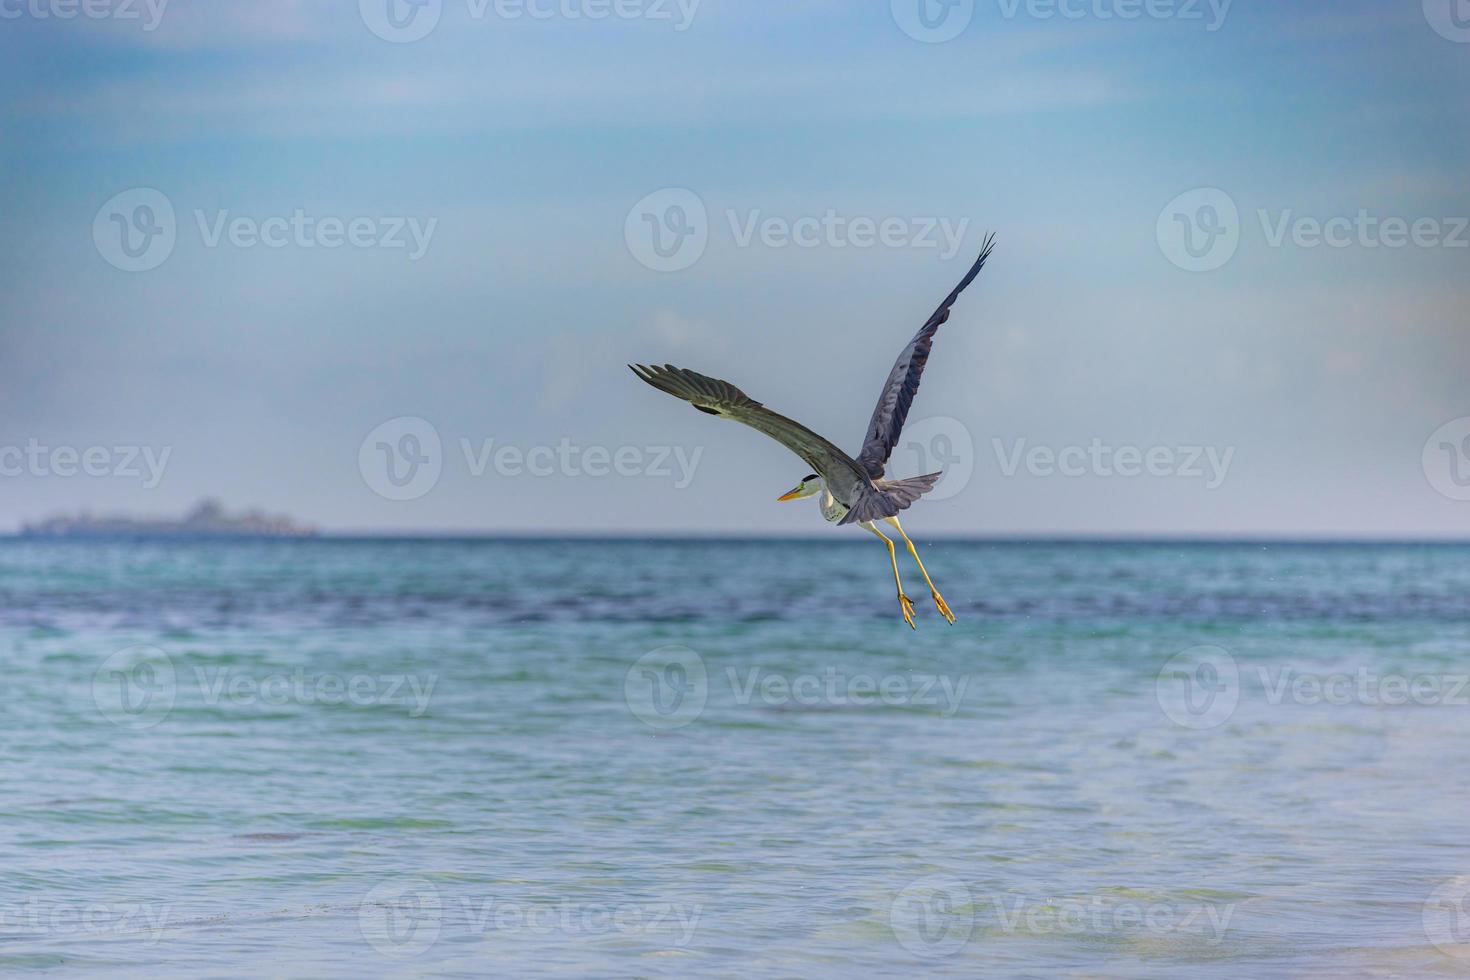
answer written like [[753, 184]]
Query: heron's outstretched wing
[[715, 397], [844, 476], [903, 380]]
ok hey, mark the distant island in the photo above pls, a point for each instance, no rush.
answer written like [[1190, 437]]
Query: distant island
[[208, 519]]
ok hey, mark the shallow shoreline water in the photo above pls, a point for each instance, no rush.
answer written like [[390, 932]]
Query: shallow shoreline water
[[649, 758]]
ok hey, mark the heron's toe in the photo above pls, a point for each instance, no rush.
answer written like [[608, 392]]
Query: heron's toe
[[943, 608], [906, 604]]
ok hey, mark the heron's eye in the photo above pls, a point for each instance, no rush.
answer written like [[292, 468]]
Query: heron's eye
[[809, 478]]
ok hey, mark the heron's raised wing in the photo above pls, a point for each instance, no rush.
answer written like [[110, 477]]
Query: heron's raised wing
[[715, 397], [903, 380]]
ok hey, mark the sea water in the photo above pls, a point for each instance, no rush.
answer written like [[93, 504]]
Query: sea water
[[733, 758]]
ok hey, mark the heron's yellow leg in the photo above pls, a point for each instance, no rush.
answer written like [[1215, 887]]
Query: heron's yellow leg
[[904, 602], [939, 602]]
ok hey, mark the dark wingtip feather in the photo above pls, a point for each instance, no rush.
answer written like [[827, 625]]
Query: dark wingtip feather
[[645, 374]]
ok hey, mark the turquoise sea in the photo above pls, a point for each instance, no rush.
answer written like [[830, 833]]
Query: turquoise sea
[[716, 758]]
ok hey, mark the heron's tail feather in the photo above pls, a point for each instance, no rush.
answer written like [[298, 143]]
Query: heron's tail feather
[[907, 491], [892, 496]]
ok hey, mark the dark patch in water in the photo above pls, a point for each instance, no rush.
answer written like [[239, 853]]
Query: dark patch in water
[[269, 837]]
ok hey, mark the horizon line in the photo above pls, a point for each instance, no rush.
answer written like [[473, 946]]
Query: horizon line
[[1040, 537]]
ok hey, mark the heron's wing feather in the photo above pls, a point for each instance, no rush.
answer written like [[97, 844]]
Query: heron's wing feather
[[716, 397], [891, 496], [903, 381]]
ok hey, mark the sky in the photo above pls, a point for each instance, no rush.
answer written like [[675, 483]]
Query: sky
[[380, 265]]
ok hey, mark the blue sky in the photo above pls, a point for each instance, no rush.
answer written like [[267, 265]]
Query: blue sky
[[517, 147]]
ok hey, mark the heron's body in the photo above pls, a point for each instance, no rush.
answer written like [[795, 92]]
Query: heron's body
[[849, 490]]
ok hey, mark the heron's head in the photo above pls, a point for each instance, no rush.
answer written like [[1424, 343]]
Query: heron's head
[[810, 485]]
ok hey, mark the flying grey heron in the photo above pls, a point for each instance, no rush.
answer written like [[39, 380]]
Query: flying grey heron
[[853, 491]]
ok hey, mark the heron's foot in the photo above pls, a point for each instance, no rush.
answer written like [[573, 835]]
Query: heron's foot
[[943, 608], [907, 605]]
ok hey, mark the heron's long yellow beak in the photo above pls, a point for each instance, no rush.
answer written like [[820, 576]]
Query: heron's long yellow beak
[[792, 495]]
